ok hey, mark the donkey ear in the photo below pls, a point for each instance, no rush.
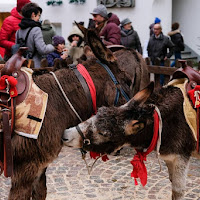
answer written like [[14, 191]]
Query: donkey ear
[[98, 48], [140, 97], [144, 94], [133, 127], [82, 28]]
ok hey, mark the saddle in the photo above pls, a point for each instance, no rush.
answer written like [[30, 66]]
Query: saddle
[[187, 72], [11, 71], [194, 80]]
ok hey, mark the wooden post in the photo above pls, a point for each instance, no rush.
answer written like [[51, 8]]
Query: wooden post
[[167, 77], [157, 76]]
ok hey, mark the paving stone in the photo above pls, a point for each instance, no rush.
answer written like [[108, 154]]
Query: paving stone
[[68, 179]]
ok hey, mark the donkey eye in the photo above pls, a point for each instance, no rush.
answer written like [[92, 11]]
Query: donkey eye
[[100, 133]]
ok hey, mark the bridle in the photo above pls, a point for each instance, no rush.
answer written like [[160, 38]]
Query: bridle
[[86, 142]]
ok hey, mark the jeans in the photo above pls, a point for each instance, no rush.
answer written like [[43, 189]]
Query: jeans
[[177, 55]]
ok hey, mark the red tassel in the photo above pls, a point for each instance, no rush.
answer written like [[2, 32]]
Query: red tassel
[[95, 155], [12, 82]]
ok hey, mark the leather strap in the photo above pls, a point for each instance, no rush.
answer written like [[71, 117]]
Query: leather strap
[[8, 159], [85, 87]]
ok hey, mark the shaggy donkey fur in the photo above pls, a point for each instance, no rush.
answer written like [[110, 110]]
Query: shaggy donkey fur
[[32, 157], [133, 123]]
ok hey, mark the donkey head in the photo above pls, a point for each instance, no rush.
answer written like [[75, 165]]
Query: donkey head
[[114, 127], [98, 48]]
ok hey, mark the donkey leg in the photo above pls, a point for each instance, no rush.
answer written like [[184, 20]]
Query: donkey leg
[[170, 169], [22, 181], [39, 191], [180, 169]]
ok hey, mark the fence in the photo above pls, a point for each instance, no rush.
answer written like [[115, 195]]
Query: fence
[[154, 70]]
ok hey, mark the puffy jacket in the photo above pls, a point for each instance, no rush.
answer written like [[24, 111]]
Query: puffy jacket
[[130, 38], [157, 47], [111, 31], [7, 33], [177, 39], [52, 56], [35, 41]]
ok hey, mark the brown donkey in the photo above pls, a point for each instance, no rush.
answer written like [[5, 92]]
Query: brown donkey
[[32, 157], [133, 123]]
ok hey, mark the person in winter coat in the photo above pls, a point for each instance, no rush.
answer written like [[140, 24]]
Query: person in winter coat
[[9, 28], [76, 44], [158, 47], [35, 42], [47, 31], [59, 52], [178, 41], [129, 37], [110, 33], [159, 44]]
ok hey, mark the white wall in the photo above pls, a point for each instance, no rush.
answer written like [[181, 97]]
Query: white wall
[[142, 15], [187, 13], [7, 5]]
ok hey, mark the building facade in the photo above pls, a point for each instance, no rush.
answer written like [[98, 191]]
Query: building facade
[[142, 13]]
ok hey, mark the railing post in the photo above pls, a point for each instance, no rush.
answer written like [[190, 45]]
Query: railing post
[[167, 77], [157, 76]]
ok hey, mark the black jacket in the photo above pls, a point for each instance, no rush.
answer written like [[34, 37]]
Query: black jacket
[[157, 47], [131, 39], [177, 39]]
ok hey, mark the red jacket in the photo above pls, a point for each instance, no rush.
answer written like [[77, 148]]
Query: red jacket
[[8, 30], [111, 30]]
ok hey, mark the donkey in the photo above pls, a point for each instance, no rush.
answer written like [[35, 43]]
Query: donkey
[[133, 123], [32, 157]]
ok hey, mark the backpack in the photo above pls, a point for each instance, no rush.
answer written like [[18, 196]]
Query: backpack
[[21, 42]]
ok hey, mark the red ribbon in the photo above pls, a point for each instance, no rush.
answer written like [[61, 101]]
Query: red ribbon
[[94, 155], [12, 83], [139, 168]]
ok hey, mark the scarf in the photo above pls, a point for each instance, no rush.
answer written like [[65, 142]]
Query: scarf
[[26, 23]]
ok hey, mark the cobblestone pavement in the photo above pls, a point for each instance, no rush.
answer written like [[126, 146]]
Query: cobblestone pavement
[[68, 179]]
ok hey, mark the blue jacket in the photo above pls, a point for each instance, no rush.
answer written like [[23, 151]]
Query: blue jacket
[[51, 57]]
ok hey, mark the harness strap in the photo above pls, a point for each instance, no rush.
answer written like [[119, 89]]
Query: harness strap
[[8, 159], [65, 96], [118, 86], [84, 85]]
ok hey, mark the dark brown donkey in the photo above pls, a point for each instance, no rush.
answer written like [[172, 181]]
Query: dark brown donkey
[[133, 123], [32, 157]]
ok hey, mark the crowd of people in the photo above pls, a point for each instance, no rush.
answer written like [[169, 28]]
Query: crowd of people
[[42, 41]]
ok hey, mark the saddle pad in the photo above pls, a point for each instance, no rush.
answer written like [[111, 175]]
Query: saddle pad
[[30, 113], [189, 111]]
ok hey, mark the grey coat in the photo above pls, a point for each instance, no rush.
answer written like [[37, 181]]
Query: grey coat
[[35, 44], [131, 39]]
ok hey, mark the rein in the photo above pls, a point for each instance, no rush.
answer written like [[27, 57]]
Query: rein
[[118, 86]]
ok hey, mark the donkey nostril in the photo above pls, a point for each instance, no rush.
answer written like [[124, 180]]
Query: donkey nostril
[[64, 139], [86, 141]]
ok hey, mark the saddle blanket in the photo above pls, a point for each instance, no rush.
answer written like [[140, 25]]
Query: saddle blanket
[[30, 113], [189, 111]]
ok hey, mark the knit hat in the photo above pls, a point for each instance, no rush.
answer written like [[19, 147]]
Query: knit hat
[[56, 40], [100, 10], [125, 21], [157, 20], [21, 3]]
